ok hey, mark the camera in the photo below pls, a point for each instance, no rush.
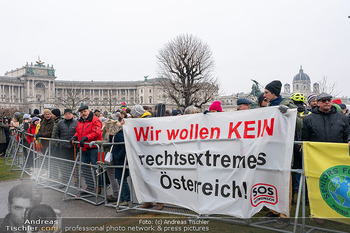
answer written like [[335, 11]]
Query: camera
[[43, 217]]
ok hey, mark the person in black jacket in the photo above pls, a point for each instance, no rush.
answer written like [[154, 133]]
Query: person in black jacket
[[65, 130], [325, 124]]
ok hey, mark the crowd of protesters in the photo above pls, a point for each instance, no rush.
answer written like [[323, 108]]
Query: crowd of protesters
[[318, 119]]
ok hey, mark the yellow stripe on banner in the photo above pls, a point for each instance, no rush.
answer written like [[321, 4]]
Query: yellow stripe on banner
[[327, 170]]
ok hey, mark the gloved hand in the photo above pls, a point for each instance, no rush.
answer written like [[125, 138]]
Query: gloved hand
[[206, 111], [82, 141], [74, 138], [301, 108], [283, 108], [38, 135]]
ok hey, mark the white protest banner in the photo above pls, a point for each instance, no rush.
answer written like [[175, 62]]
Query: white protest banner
[[231, 163]]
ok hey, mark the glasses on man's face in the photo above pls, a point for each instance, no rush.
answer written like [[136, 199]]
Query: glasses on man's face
[[327, 100], [267, 92]]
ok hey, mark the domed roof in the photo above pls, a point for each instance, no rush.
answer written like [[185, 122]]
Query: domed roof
[[301, 76]]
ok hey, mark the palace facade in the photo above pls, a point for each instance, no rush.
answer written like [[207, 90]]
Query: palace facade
[[35, 86]]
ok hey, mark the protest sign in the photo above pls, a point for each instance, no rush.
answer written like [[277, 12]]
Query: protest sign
[[231, 163], [327, 169]]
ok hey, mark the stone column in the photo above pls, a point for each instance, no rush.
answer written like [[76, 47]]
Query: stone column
[[22, 97], [49, 90], [28, 88], [12, 93], [33, 89]]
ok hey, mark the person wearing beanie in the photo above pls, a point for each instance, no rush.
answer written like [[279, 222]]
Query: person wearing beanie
[[36, 112], [46, 128], [272, 94], [215, 107], [56, 113], [337, 101], [139, 112], [311, 100]]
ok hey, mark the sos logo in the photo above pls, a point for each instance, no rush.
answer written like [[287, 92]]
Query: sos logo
[[263, 193]]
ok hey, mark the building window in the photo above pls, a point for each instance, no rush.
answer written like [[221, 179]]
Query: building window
[[150, 99], [141, 99]]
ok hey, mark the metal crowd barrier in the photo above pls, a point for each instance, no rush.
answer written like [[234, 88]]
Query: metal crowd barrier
[[12, 149], [253, 222], [52, 172], [73, 177]]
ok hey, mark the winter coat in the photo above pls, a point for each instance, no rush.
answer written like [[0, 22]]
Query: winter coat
[[289, 103], [90, 128], [326, 127], [45, 130], [3, 128], [57, 120], [65, 130], [31, 130]]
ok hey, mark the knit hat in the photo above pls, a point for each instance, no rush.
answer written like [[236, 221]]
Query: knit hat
[[47, 111], [26, 116], [337, 101], [68, 110], [274, 87], [216, 105], [36, 111], [342, 106], [311, 97], [35, 119], [137, 111], [56, 112]]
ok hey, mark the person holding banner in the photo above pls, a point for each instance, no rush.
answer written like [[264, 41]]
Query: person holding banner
[[272, 95], [139, 112]]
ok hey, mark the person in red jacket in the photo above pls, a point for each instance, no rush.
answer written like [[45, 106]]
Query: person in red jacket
[[88, 129], [32, 130]]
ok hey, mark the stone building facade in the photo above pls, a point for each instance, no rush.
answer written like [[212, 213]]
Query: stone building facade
[[35, 86]]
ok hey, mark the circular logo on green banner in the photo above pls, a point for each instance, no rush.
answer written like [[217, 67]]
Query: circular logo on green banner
[[335, 188]]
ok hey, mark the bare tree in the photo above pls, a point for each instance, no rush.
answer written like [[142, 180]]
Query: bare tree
[[110, 101], [186, 65], [72, 100], [328, 87]]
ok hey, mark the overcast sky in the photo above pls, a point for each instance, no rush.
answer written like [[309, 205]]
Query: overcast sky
[[119, 40]]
